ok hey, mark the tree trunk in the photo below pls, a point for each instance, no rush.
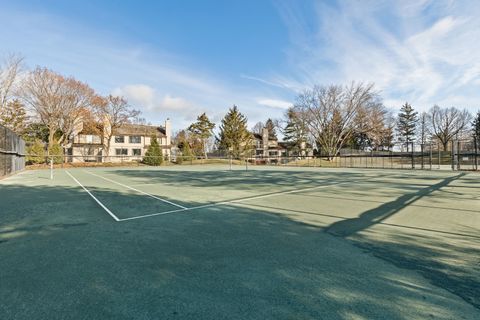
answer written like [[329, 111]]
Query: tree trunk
[[204, 145], [51, 136], [445, 145]]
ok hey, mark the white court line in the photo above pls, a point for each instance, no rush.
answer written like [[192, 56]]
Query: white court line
[[232, 201], [143, 192], [94, 198]]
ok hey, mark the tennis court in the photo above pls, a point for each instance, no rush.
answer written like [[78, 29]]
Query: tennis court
[[206, 242]]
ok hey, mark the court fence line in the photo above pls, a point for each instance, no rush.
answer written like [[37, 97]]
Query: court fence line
[[12, 152], [458, 155]]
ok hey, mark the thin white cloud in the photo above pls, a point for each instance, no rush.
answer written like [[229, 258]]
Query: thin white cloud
[[423, 52], [275, 103], [160, 84]]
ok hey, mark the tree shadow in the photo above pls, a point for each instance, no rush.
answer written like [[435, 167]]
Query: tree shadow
[[65, 254], [346, 228]]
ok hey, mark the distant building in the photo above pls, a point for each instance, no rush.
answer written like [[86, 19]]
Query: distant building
[[129, 143], [269, 148]]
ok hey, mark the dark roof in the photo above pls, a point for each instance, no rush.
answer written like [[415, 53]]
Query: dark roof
[[140, 130], [260, 137]]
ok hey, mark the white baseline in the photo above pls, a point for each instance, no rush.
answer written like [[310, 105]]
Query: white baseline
[[232, 201], [94, 198], [137, 190]]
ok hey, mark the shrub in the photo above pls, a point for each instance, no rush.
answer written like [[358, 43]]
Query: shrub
[[36, 152], [55, 152], [153, 156]]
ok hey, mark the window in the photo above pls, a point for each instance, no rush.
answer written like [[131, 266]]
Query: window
[[88, 151], [137, 152], [121, 152], [119, 139], [135, 139], [89, 138]]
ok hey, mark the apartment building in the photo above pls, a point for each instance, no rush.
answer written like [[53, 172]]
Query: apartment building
[[128, 143]]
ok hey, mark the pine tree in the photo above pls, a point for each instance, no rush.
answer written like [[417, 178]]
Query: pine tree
[[187, 153], [234, 136], [295, 131], [407, 123], [202, 130], [14, 116], [476, 128], [153, 156], [272, 135]]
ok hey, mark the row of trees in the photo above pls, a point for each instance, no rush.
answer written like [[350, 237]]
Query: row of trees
[[43, 105], [334, 117], [57, 106]]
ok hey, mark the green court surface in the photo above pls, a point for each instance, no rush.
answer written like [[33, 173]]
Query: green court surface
[[204, 242]]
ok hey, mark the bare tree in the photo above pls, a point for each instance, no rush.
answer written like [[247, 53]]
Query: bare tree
[[60, 103], [42, 93], [9, 72], [370, 125], [78, 99], [423, 128], [114, 112], [258, 127], [448, 123], [330, 113]]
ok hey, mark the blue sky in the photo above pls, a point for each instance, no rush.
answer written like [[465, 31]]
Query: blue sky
[[180, 58]]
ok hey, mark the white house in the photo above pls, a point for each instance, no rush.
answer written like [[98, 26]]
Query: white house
[[129, 143]]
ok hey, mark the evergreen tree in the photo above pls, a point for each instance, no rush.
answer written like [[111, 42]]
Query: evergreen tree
[[36, 152], [187, 153], [36, 131], [476, 128], [295, 131], [234, 136], [406, 125], [202, 130], [153, 156], [55, 152], [272, 135], [14, 116]]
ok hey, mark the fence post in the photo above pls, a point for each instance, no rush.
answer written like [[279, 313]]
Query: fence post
[[452, 157], [413, 157], [438, 149], [458, 155], [421, 150], [476, 154], [431, 156]]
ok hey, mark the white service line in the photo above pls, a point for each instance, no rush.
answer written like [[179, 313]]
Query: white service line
[[231, 201], [134, 189], [94, 198]]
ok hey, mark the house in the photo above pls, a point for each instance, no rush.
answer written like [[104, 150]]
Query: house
[[128, 143], [270, 149], [267, 147]]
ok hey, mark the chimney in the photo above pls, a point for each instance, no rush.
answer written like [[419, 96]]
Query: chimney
[[265, 141], [168, 131]]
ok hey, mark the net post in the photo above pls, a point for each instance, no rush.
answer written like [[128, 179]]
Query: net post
[[51, 169]]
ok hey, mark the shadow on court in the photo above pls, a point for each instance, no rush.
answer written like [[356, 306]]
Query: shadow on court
[[449, 259], [63, 257], [346, 228]]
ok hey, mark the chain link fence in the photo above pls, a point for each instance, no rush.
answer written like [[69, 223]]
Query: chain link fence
[[458, 155], [12, 152]]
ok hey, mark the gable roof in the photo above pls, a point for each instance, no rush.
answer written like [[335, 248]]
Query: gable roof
[[140, 130]]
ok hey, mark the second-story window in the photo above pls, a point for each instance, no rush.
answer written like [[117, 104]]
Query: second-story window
[[119, 139], [135, 139]]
